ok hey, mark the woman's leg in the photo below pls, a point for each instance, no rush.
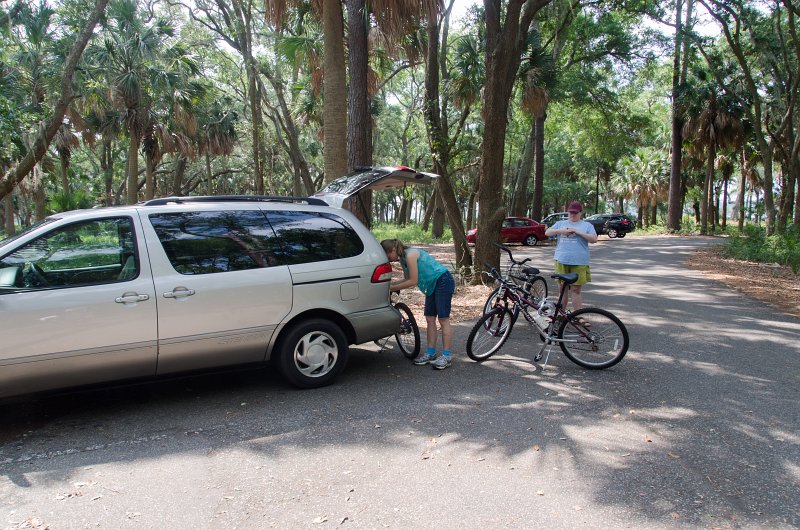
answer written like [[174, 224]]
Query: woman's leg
[[430, 331], [577, 299], [447, 334]]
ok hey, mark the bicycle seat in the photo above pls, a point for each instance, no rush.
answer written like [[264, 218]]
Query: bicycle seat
[[569, 278], [530, 271]]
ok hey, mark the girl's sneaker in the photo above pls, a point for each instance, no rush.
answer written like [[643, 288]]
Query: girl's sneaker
[[442, 362], [423, 358]]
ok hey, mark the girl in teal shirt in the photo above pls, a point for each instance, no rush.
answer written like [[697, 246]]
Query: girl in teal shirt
[[437, 284]]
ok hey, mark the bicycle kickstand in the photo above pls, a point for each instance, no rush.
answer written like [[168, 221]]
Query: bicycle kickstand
[[381, 343], [548, 345]]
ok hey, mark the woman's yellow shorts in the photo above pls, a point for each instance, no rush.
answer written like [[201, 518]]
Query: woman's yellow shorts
[[584, 275]]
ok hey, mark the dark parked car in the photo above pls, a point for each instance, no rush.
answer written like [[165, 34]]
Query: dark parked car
[[516, 230], [612, 224]]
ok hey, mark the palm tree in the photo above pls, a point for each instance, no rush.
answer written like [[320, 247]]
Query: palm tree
[[217, 121], [129, 55], [713, 122], [539, 80]]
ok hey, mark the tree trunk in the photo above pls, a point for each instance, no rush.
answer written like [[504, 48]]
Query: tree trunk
[[438, 138], [504, 43], [334, 106], [132, 196], [39, 197], [725, 202], [742, 191], [538, 172], [107, 165], [209, 176], [359, 124], [520, 206], [796, 217], [9, 215], [65, 174], [179, 170], [675, 204]]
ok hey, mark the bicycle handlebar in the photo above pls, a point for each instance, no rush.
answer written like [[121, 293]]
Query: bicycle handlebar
[[510, 255]]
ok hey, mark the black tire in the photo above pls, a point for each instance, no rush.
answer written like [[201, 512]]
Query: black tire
[[622, 234], [612, 232], [408, 337], [312, 353], [593, 338], [530, 240], [489, 334]]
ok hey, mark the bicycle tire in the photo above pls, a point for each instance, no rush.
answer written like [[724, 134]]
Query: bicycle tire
[[489, 334], [408, 337], [593, 338]]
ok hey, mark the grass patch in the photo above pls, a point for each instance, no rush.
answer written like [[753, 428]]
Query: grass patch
[[410, 233]]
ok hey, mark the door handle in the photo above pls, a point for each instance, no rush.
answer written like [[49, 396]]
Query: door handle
[[131, 298], [179, 292]]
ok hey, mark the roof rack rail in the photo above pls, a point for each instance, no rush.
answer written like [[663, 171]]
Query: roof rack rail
[[233, 198]]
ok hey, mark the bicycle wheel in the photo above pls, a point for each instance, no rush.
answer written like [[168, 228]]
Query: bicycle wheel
[[593, 338], [490, 300], [538, 289], [489, 334], [408, 336]]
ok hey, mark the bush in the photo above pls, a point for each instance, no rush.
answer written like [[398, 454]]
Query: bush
[[754, 245]]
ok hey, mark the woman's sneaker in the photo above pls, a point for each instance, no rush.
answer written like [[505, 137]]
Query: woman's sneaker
[[442, 362], [423, 358]]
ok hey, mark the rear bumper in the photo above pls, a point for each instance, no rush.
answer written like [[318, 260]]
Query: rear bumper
[[375, 323]]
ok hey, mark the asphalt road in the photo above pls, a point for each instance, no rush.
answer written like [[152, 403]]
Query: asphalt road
[[696, 428]]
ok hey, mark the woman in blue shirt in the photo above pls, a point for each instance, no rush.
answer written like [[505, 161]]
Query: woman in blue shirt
[[436, 282], [572, 250]]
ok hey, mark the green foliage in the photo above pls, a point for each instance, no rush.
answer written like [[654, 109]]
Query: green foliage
[[755, 245], [77, 200], [411, 233]]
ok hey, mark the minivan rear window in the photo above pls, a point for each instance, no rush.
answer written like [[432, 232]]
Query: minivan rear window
[[308, 237]]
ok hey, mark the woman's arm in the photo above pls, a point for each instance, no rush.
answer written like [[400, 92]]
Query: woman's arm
[[411, 277]]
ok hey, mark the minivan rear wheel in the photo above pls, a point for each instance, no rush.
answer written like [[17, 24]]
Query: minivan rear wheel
[[312, 353], [612, 232]]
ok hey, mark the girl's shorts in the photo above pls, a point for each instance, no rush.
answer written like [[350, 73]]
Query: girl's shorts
[[438, 304], [584, 275]]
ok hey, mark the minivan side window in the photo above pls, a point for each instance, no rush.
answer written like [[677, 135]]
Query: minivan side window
[[308, 237], [85, 253], [216, 241]]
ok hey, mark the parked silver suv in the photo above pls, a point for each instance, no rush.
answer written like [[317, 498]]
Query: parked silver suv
[[180, 284]]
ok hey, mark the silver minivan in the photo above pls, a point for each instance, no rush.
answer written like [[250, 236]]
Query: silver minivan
[[179, 284]]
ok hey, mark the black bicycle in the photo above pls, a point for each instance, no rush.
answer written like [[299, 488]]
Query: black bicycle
[[407, 337], [527, 278], [590, 337]]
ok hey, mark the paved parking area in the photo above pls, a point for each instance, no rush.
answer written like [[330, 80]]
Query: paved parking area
[[696, 428]]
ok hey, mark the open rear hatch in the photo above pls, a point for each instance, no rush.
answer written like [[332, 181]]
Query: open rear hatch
[[372, 178]]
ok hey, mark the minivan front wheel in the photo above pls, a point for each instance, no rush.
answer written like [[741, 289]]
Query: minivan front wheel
[[312, 353]]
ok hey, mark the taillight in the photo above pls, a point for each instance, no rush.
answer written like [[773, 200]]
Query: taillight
[[626, 222], [382, 273]]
